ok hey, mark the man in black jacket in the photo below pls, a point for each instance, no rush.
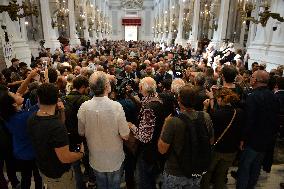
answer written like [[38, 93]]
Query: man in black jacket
[[260, 130], [73, 101]]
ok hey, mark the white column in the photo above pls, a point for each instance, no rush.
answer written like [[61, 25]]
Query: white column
[[95, 18], [220, 34], [48, 32], [179, 39], [74, 40], [193, 40], [99, 18], [171, 12], [85, 22], [242, 35], [166, 15], [105, 16], [17, 38], [160, 20]]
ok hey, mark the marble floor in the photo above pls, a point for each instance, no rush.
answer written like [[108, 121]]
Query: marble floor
[[266, 181]]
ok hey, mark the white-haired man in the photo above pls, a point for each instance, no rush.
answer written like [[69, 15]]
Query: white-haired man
[[177, 84], [151, 119], [104, 135]]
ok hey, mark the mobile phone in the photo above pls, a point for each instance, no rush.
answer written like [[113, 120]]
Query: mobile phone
[[77, 148], [44, 64]]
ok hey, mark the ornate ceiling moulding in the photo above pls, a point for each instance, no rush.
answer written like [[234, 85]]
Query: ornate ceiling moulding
[[132, 4]]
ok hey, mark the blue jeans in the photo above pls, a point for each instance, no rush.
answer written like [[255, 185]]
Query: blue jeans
[[174, 182], [109, 180], [249, 168], [146, 174], [80, 184]]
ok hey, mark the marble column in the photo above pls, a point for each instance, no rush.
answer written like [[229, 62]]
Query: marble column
[[179, 39], [166, 15], [160, 20], [99, 11], [105, 19], [92, 33], [85, 22], [193, 38], [220, 34], [49, 33], [242, 35], [171, 12], [74, 40], [17, 39]]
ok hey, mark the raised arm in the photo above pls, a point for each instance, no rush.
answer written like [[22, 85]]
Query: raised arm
[[23, 88]]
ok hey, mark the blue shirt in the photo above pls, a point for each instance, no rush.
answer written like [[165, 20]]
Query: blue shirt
[[17, 126]]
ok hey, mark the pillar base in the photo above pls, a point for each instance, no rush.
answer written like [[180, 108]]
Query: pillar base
[[169, 41], [272, 55], [52, 44], [217, 44], [100, 36], [74, 42], [193, 42], [180, 41], [22, 51]]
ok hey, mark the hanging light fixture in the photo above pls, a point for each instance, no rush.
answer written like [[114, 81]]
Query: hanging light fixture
[[13, 8]]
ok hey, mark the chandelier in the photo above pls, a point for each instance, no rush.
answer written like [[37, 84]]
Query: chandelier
[[13, 8], [60, 14]]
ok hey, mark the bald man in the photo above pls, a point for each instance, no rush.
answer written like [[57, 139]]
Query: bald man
[[260, 130]]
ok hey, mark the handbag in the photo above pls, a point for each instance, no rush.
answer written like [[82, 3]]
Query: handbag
[[132, 143], [227, 128]]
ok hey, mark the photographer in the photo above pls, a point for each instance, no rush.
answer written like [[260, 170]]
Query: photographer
[[126, 97], [178, 67]]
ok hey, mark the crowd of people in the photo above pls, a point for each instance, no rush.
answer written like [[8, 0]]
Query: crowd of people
[[166, 117]]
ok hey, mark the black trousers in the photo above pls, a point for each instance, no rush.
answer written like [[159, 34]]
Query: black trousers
[[11, 172], [28, 169]]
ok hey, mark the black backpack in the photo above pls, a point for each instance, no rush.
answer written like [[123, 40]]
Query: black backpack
[[195, 156], [72, 104]]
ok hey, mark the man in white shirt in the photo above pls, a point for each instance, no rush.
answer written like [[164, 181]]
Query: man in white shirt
[[103, 123]]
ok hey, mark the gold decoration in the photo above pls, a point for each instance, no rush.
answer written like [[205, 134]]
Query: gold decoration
[[13, 9]]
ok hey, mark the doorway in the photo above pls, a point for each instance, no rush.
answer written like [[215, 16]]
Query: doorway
[[131, 33]]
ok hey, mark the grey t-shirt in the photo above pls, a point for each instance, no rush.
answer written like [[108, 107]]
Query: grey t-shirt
[[173, 134]]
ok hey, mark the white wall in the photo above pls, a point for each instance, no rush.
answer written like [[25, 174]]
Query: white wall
[[266, 45], [144, 31]]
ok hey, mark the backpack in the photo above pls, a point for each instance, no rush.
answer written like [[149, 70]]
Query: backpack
[[195, 156], [72, 104]]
